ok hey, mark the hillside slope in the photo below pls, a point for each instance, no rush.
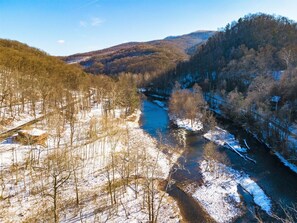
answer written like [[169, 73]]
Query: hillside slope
[[22, 61], [251, 68], [151, 57], [255, 45]]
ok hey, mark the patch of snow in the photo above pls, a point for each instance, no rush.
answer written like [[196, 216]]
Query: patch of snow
[[275, 99], [195, 125], [191, 125], [34, 132], [157, 96], [222, 137], [161, 104], [277, 75], [259, 197], [219, 195], [141, 90], [78, 60], [286, 162]]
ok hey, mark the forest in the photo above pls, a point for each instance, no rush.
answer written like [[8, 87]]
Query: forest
[[30, 76]]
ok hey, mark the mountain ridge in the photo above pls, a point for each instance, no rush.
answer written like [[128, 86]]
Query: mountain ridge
[[154, 57]]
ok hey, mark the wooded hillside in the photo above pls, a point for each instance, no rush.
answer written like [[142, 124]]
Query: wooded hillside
[[29, 76], [252, 65], [258, 53], [149, 59]]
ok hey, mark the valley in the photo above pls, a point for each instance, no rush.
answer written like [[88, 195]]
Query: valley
[[115, 122]]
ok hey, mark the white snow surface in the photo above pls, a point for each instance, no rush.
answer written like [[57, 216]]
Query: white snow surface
[[21, 115], [286, 162], [160, 103], [34, 132], [24, 190], [78, 60], [219, 195], [259, 197], [158, 96], [195, 125], [223, 138]]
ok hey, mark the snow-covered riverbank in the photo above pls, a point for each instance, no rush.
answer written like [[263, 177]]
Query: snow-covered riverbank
[[161, 104], [223, 138], [191, 125], [219, 194], [286, 162]]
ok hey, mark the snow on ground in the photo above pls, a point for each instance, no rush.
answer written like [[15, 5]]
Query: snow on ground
[[219, 195], [34, 132], [161, 104], [24, 187], [194, 125], [223, 138], [78, 60], [141, 90], [20, 120], [158, 96], [259, 197], [286, 162], [130, 208], [216, 101], [21, 115]]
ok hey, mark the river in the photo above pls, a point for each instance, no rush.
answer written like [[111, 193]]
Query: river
[[278, 182]]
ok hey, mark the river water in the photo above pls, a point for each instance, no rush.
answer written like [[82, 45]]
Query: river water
[[278, 182]]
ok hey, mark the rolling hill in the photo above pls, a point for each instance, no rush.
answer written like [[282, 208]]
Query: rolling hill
[[152, 57]]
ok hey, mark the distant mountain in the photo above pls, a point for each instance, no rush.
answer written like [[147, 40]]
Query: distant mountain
[[152, 57], [190, 42]]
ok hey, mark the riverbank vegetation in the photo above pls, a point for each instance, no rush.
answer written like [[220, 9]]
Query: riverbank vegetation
[[188, 109]]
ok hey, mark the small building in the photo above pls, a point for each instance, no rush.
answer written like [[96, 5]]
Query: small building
[[32, 136]]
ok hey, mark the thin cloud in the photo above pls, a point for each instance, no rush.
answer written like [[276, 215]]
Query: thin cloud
[[96, 21], [89, 3], [82, 23], [93, 22], [92, 2], [60, 41]]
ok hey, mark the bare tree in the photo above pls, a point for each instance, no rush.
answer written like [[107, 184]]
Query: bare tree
[[59, 167]]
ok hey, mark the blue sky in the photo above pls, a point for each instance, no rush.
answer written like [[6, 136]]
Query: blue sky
[[63, 27]]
